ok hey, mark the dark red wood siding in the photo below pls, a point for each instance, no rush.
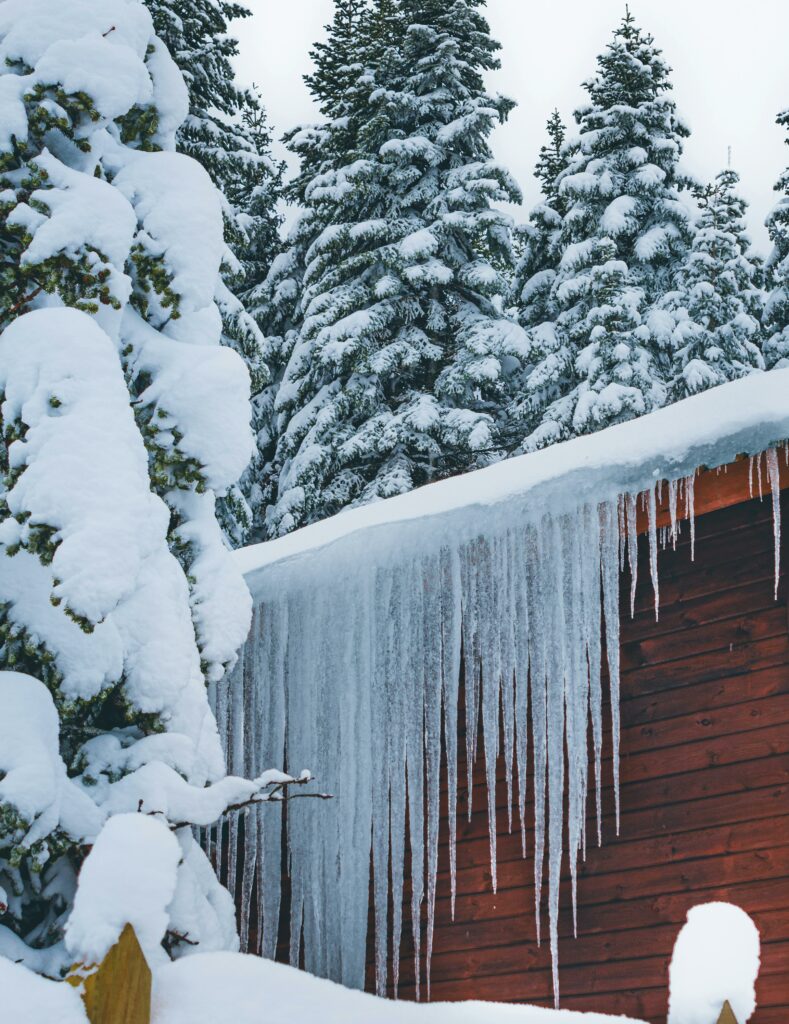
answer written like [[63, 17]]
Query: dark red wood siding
[[705, 799]]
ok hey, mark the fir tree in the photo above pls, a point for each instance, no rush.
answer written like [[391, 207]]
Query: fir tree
[[227, 132], [604, 353], [539, 238], [776, 310], [718, 302], [396, 373], [538, 242], [122, 419]]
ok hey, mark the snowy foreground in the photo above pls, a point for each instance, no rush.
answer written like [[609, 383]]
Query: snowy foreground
[[228, 988]]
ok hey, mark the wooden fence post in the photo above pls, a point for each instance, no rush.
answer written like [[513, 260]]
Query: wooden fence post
[[727, 1014], [118, 990]]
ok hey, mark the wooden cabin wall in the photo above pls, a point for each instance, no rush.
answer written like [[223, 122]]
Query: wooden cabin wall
[[705, 800]]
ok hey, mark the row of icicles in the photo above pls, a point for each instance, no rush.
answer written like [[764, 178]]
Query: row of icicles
[[354, 671]]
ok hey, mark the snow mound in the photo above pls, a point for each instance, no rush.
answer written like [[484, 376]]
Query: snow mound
[[35, 1000], [219, 987], [716, 957], [129, 877]]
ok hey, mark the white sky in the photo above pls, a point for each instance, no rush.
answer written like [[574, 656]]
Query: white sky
[[731, 75]]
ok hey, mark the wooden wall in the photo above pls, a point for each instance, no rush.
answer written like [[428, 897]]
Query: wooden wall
[[705, 799]]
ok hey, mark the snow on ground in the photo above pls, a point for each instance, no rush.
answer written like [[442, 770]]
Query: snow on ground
[[706, 430], [227, 988], [716, 957], [29, 998]]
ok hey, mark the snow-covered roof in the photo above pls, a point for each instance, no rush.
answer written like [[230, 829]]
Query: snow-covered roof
[[710, 429]]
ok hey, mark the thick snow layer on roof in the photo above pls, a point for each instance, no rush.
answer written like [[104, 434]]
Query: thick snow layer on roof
[[213, 987], [710, 429]]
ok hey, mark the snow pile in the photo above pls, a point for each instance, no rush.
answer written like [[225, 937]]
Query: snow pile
[[35, 1000], [716, 958], [361, 626], [128, 877], [223, 987]]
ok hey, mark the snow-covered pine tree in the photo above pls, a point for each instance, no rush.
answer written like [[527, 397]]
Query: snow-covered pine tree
[[538, 242], [399, 365], [539, 237], [718, 302], [776, 310], [276, 302], [623, 234], [227, 132], [123, 418]]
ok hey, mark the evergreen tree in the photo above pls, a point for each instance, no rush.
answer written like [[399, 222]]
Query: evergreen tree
[[776, 310], [538, 241], [227, 132], [276, 302], [539, 238], [122, 419], [718, 302], [397, 370], [604, 352]]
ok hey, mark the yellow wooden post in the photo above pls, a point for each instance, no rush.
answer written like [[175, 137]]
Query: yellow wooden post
[[727, 1014], [118, 990]]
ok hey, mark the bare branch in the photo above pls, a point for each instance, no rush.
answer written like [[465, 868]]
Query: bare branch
[[275, 792]]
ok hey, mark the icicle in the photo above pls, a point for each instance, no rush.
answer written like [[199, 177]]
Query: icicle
[[470, 664], [552, 569], [415, 760], [632, 549], [431, 621], [491, 669], [653, 548], [576, 686], [690, 511], [537, 625], [397, 696], [672, 511], [271, 637], [518, 569], [504, 610], [249, 852], [759, 476], [611, 606], [597, 550], [450, 672], [750, 475], [774, 474], [380, 767]]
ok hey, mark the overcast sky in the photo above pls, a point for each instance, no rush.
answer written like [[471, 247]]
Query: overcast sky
[[731, 75]]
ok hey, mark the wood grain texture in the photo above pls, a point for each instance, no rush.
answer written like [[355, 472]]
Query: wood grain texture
[[705, 794], [118, 991]]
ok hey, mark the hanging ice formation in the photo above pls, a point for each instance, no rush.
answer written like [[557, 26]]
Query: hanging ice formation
[[354, 668]]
